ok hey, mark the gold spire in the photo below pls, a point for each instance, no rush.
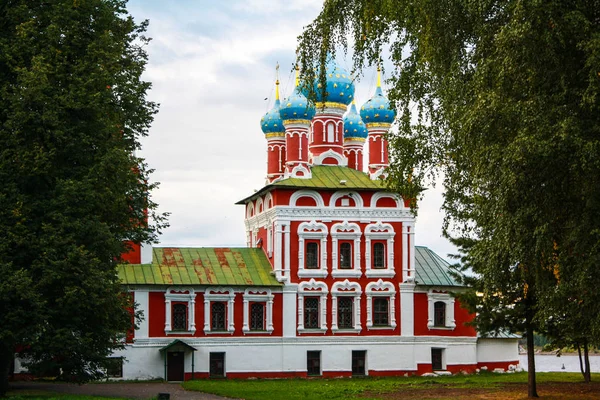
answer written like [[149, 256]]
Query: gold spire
[[297, 75], [378, 76], [277, 82]]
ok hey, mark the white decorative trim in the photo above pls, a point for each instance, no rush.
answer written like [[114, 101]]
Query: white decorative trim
[[432, 298], [358, 200], [250, 210], [381, 289], [346, 288], [313, 288], [316, 196], [257, 207], [345, 231], [341, 160], [312, 230], [258, 296], [179, 294], [384, 195], [268, 201], [380, 173], [306, 172], [219, 294], [380, 231]]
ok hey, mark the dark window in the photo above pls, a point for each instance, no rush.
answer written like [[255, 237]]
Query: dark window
[[257, 317], [345, 313], [436, 359], [345, 256], [217, 315], [179, 317], [217, 365], [114, 367], [439, 313], [378, 256], [380, 311], [358, 362], [312, 255], [313, 363], [311, 312]]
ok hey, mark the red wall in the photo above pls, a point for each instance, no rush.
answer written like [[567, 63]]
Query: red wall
[[461, 316]]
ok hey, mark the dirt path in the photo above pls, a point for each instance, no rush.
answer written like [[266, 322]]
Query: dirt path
[[126, 390]]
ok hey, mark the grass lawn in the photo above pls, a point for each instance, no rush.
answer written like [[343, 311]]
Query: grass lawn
[[551, 385]]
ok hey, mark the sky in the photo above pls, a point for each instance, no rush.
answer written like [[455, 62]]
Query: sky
[[212, 68]]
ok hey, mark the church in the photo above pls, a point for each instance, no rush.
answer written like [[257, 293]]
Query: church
[[331, 283]]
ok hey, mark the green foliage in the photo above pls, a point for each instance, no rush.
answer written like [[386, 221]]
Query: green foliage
[[72, 111], [500, 98]]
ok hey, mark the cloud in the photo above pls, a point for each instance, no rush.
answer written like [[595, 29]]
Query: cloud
[[211, 65]]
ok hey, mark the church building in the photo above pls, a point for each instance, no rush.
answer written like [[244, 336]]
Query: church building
[[331, 282]]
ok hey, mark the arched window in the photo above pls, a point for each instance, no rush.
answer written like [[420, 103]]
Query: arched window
[[330, 132], [345, 256], [311, 313], [381, 311], [439, 313], [257, 317], [217, 311], [312, 255], [345, 311], [378, 255], [180, 312]]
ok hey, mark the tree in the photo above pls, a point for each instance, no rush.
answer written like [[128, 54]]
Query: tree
[[500, 99], [72, 110]]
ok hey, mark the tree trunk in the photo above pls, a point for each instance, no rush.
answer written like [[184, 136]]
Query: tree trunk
[[580, 360], [587, 377], [531, 384], [6, 357]]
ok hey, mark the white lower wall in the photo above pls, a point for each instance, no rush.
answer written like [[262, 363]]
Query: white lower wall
[[288, 355], [497, 350]]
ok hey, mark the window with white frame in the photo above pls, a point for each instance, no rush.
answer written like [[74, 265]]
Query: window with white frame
[[218, 310], [440, 310], [379, 250], [258, 311], [345, 304], [345, 258], [381, 308], [179, 311], [312, 306], [312, 250]]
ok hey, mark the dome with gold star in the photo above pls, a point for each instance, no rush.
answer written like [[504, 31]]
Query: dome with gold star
[[340, 86], [271, 122], [377, 111], [297, 107], [354, 128]]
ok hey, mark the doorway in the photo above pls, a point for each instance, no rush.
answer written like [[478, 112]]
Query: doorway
[[217, 365], [175, 363]]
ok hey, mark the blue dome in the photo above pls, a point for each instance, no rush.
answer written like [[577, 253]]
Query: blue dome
[[353, 125], [340, 87], [271, 122], [296, 106], [377, 110]]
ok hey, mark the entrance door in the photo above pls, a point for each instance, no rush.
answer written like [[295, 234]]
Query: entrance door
[[217, 365], [175, 365]]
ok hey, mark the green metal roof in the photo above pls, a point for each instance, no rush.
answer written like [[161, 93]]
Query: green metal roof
[[201, 266], [431, 269], [326, 177]]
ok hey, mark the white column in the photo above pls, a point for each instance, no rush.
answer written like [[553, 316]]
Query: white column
[[245, 327], [206, 315], [411, 255], [270, 314], [334, 302], [141, 298], [405, 267], [407, 304], [167, 315], [278, 251], [231, 327], [289, 310], [192, 314], [286, 242]]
